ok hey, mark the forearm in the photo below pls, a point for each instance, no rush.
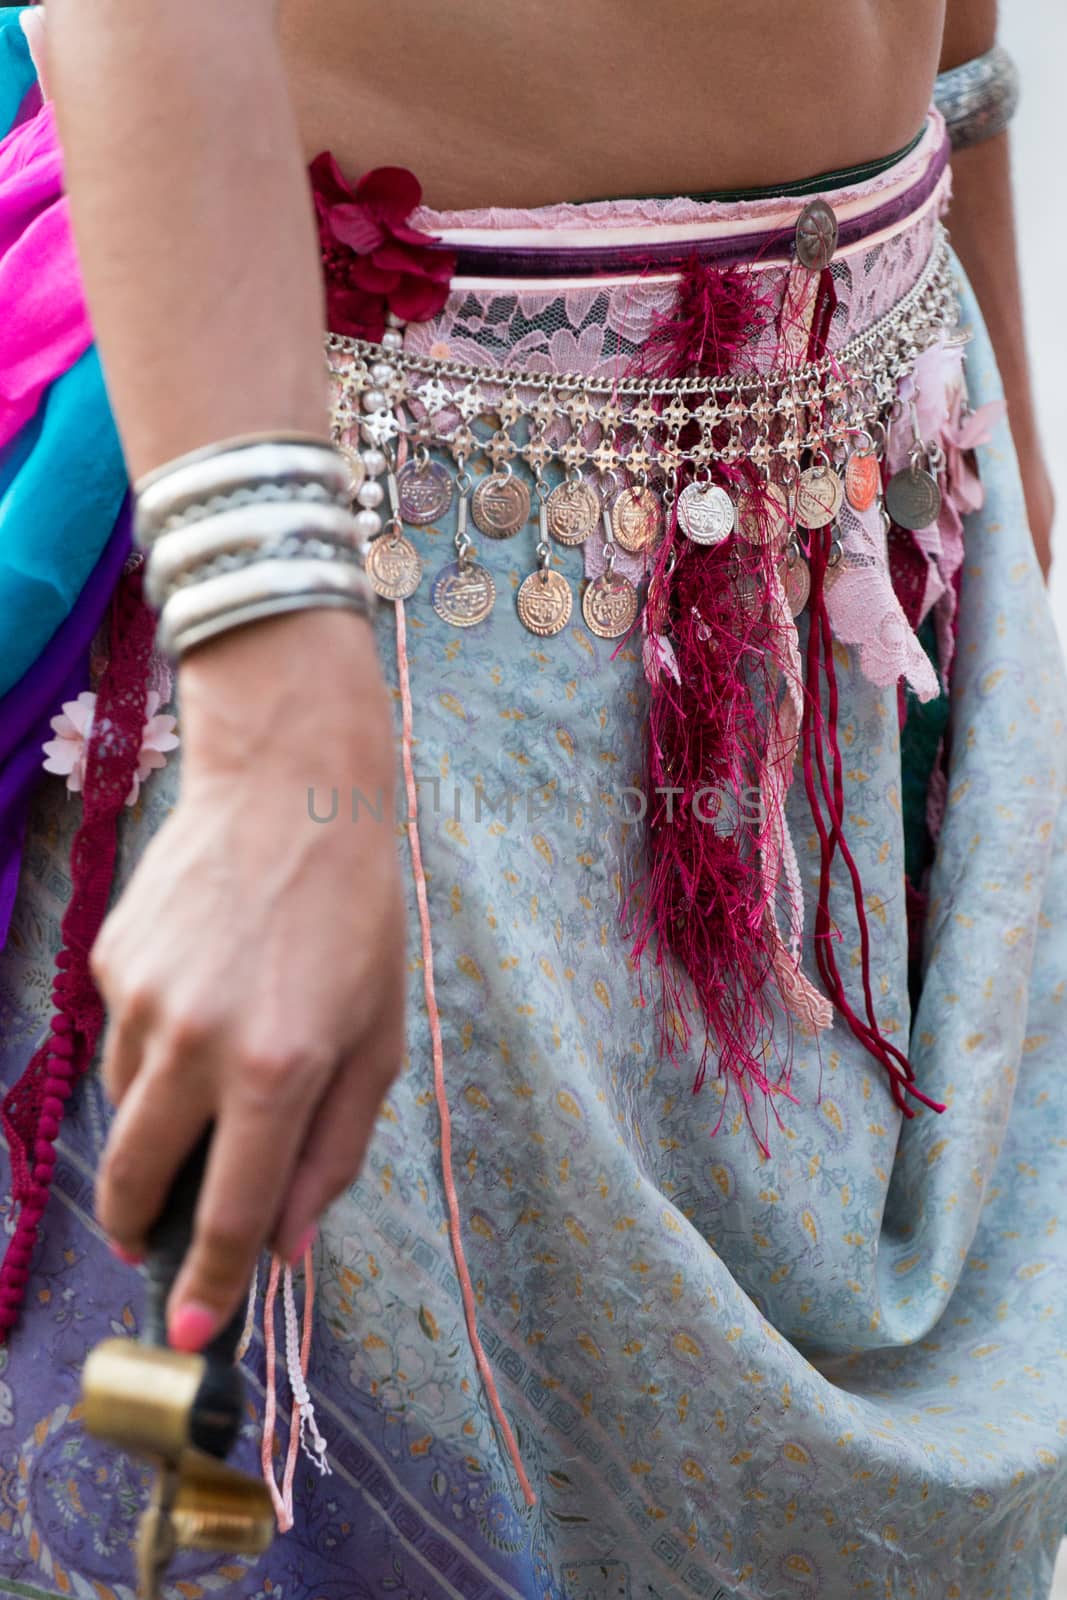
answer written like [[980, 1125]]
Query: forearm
[[253, 968], [193, 219], [983, 232]]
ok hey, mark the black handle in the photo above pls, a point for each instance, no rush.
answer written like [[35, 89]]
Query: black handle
[[216, 1418]]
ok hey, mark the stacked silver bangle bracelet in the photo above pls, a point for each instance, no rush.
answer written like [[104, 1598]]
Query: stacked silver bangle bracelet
[[248, 529]]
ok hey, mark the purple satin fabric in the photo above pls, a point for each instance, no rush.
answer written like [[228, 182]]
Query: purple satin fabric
[[60, 674]]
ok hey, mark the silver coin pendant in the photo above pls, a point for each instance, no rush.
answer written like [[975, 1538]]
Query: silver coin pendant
[[913, 499], [706, 513]]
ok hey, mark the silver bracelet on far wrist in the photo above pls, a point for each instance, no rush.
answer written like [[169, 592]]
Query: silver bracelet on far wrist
[[979, 98]]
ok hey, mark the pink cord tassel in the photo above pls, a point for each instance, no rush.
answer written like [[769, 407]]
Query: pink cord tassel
[[282, 1511], [302, 1416], [434, 1016]]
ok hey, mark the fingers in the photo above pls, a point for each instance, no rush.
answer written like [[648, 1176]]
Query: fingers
[[129, 1020], [124, 1044], [156, 1126], [258, 1135], [336, 1143]]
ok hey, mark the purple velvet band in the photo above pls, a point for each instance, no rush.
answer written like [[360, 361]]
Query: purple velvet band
[[496, 261], [27, 709], [30, 106]]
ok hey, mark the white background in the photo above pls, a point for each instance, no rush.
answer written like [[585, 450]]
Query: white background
[[1036, 32]]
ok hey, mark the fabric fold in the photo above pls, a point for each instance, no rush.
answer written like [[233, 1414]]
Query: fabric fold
[[61, 552]]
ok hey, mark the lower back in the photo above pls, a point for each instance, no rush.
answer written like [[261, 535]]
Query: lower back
[[557, 101]]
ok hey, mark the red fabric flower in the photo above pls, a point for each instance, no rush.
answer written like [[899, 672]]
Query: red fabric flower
[[374, 262]]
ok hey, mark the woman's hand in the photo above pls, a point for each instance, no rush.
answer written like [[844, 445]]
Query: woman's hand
[[254, 968]]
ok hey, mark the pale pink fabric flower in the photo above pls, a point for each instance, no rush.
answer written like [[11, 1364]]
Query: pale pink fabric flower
[[66, 753], [659, 658]]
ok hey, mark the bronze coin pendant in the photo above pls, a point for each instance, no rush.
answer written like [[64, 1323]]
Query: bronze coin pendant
[[393, 567], [763, 516], [573, 510], [707, 513], [609, 606], [819, 496], [464, 596], [501, 505], [749, 593], [425, 492], [863, 479], [658, 605], [544, 602], [816, 236], [637, 520], [913, 499], [796, 581]]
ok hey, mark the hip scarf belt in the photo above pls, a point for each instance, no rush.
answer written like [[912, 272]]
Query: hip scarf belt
[[707, 421]]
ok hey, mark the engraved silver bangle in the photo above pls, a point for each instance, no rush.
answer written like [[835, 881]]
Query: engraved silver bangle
[[178, 645], [191, 482], [241, 527], [292, 548], [223, 602], [979, 98], [255, 494]]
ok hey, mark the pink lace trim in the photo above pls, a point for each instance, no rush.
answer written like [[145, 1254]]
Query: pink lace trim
[[598, 329], [33, 1108]]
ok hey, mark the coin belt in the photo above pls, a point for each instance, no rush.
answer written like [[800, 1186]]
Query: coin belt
[[631, 453]]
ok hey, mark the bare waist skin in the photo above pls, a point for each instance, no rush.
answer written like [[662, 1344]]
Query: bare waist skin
[[501, 105]]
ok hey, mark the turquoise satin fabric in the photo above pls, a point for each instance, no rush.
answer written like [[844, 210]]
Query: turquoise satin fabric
[[16, 67], [50, 537]]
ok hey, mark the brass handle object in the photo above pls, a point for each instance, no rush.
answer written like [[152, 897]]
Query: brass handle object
[[182, 1412]]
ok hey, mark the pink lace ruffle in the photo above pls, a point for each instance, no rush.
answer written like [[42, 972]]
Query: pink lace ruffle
[[33, 1108], [598, 328]]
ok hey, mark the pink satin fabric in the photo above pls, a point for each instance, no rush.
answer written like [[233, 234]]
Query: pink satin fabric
[[45, 325]]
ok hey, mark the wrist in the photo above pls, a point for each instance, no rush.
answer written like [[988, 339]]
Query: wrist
[[302, 696]]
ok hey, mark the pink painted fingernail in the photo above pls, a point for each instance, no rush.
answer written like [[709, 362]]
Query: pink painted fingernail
[[127, 1257], [192, 1327], [304, 1246]]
